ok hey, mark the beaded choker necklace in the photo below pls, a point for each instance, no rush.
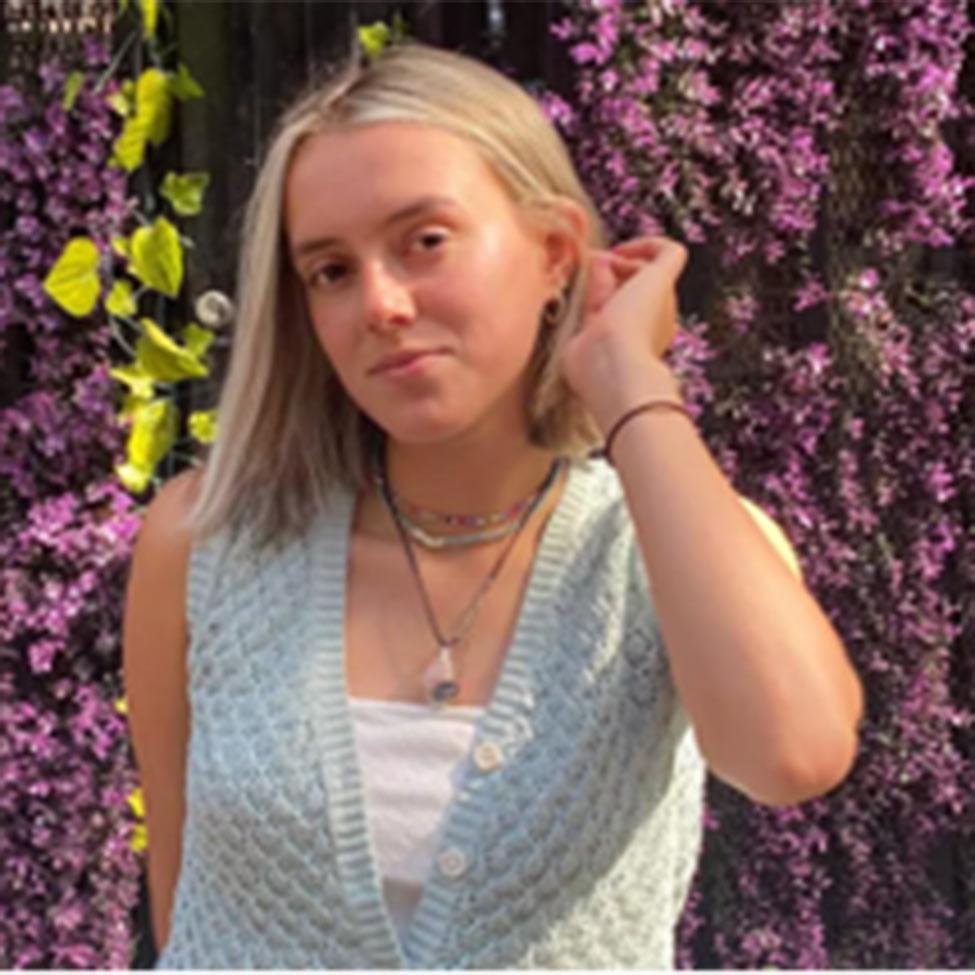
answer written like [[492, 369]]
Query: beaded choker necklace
[[506, 522]]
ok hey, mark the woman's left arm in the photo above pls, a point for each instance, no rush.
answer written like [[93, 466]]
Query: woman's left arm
[[771, 694]]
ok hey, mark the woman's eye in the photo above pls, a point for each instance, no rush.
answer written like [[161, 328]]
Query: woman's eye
[[328, 273], [431, 239]]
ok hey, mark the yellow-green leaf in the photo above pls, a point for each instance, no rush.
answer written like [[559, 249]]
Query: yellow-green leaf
[[140, 383], [183, 85], [150, 17], [185, 193], [121, 246], [73, 281], [197, 339], [123, 5], [130, 404], [119, 104], [154, 104], [203, 425], [72, 85], [140, 838], [157, 257], [160, 357], [373, 38], [154, 427], [120, 300], [399, 28], [137, 803], [129, 149]]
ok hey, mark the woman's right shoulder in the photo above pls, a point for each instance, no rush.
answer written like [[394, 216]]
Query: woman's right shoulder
[[165, 535], [172, 502]]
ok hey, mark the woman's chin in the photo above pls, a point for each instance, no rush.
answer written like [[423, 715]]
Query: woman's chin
[[420, 432]]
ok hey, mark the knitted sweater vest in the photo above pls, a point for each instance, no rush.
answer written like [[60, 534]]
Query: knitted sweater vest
[[574, 836]]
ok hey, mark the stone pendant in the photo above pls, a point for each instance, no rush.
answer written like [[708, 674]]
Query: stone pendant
[[438, 679]]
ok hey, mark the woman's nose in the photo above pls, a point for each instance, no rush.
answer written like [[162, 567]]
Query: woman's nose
[[388, 299]]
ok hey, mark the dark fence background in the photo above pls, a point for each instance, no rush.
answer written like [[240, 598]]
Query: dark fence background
[[251, 57]]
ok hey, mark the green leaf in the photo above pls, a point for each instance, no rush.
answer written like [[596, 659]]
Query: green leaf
[[183, 85], [203, 425], [119, 104], [150, 17], [120, 301], [399, 28], [72, 85], [154, 104], [130, 404], [185, 193], [197, 339], [154, 428], [73, 281], [120, 245], [129, 150], [141, 386], [123, 6], [157, 257], [158, 355], [373, 38]]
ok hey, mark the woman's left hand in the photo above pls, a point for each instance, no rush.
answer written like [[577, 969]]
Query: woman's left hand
[[629, 318]]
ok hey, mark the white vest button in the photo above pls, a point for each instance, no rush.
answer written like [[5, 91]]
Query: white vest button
[[488, 756], [452, 862]]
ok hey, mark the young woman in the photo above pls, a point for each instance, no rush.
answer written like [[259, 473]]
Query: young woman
[[415, 677]]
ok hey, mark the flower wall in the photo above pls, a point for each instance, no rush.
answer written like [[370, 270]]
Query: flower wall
[[70, 874], [816, 156]]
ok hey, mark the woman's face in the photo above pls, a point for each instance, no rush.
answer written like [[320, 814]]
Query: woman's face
[[404, 241]]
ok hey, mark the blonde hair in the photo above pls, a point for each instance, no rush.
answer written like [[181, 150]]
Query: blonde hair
[[288, 432]]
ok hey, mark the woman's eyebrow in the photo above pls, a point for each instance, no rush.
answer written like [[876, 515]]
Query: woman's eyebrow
[[404, 213]]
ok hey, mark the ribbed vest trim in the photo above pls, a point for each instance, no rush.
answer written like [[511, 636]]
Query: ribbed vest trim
[[356, 854]]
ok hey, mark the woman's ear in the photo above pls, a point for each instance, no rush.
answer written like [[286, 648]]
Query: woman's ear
[[566, 239]]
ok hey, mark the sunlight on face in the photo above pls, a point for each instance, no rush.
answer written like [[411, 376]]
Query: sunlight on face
[[404, 240]]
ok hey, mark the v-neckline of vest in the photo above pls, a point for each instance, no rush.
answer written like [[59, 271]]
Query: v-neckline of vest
[[356, 858]]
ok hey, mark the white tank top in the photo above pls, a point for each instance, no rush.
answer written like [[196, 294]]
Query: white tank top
[[411, 757]]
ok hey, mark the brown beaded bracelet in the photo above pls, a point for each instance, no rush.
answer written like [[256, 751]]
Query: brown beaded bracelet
[[642, 408]]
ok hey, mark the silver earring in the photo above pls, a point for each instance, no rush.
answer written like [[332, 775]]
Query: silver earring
[[555, 309]]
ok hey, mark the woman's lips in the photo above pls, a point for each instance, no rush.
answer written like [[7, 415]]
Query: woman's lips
[[412, 367]]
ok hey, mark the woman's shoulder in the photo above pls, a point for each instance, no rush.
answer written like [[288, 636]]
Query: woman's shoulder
[[165, 520]]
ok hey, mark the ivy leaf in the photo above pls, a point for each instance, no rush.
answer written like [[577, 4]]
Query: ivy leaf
[[130, 404], [72, 85], [151, 121], [120, 301], [119, 104], [157, 257], [136, 801], [154, 427], [140, 383], [185, 193], [197, 339], [129, 149], [203, 426], [162, 358], [373, 38], [123, 100], [73, 281], [154, 102], [183, 85], [150, 17]]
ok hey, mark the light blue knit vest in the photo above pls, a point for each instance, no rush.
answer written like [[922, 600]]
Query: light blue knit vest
[[575, 851]]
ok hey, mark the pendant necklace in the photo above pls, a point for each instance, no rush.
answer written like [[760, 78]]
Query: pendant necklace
[[439, 678]]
